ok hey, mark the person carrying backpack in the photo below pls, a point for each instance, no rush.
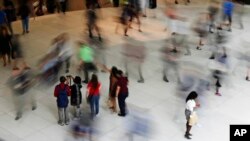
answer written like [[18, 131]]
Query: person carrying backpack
[[61, 92]]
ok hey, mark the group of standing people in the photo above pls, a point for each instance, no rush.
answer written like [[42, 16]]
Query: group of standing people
[[118, 90]]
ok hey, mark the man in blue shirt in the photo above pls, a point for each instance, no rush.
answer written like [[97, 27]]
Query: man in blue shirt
[[3, 19], [228, 7]]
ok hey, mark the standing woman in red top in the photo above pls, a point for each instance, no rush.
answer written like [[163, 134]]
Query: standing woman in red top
[[93, 94]]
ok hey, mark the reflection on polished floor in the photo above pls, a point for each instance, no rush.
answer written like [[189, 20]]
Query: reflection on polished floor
[[165, 107]]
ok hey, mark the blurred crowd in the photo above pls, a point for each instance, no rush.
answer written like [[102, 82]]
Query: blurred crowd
[[212, 28]]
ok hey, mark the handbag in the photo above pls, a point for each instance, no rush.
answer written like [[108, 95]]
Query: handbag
[[193, 119], [89, 97]]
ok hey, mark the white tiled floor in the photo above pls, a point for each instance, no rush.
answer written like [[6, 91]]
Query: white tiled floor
[[164, 103]]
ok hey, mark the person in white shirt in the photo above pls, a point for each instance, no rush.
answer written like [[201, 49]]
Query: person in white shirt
[[190, 106]]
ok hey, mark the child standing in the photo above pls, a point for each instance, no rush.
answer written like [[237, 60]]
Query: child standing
[[61, 92]]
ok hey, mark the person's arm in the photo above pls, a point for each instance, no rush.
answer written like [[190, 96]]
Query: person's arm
[[197, 104], [88, 90], [99, 87], [118, 88], [68, 90], [56, 91]]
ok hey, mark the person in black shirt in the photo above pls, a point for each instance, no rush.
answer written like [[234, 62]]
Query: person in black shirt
[[5, 39], [24, 11], [76, 95], [9, 9]]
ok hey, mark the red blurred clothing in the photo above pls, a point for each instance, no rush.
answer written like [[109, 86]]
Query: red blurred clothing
[[62, 86], [123, 84], [92, 90]]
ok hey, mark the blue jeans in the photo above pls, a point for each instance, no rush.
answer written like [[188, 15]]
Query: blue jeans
[[122, 104], [25, 23], [94, 105]]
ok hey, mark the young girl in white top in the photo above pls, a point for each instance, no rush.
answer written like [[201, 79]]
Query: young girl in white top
[[190, 105]]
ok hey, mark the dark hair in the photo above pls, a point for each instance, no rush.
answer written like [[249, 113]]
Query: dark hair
[[62, 79], [114, 71], [94, 81], [192, 95], [77, 80], [119, 72]]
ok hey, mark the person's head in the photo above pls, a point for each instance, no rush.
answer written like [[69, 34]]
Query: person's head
[[193, 95], [62, 79], [94, 80], [114, 70], [119, 73], [77, 80]]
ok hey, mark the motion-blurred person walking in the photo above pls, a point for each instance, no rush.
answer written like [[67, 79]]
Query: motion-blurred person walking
[[170, 61], [134, 51], [123, 19], [24, 12], [228, 8], [213, 11], [239, 12], [62, 48], [61, 92], [93, 95], [82, 129], [191, 104], [178, 28], [17, 53], [220, 40], [5, 45], [92, 20], [122, 93], [10, 11], [220, 68], [86, 55], [20, 83], [200, 27]]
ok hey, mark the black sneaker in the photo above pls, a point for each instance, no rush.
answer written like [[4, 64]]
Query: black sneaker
[[212, 57], [121, 115], [198, 48], [141, 81], [187, 136], [247, 78], [60, 123], [33, 108], [165, 79], [18, 117], [174, 51]]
